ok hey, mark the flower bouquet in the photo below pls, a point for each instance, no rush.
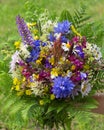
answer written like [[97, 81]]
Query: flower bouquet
[[55, 67]]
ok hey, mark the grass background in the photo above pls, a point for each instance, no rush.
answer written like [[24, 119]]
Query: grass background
[[9, 9]]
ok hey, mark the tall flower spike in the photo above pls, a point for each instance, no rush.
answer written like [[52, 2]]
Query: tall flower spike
[[24, 31]]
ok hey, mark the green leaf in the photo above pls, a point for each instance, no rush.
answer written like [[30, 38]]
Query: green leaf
[[65, 15]]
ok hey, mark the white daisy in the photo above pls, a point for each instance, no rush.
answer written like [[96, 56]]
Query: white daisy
[[85, 88], [65, 46]]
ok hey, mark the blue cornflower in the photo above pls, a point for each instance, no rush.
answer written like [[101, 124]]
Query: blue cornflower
[[36, 43], [64, 39], [63, 27], [79, 51], [62, 87], [34, 53], [51, 38]]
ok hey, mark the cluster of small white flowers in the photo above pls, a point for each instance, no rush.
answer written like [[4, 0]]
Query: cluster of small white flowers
[[23, 50], [96, 52], [48, 26], [43, 17], [15, 59], [93, 50], [16, 74], [37, 88]]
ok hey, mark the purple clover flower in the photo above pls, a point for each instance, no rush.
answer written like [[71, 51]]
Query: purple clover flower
[[75, 39], [62, 87], [76, 77], [77, 62], [43, 75], [24, 31], [63, 27]]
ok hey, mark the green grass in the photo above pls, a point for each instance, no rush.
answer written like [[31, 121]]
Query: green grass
[[11, 8]]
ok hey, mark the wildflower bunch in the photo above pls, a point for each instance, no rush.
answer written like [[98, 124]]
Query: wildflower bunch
[[58, 62]]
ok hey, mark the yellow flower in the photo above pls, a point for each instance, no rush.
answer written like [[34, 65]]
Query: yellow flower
[[67, 61], [17, 87], [24, 79], [68, 45], [12, 87], [36, 37], [36, 76], [28, 92], [75, 31], [41, 102], [17, 44], [38, 61], [52, 61], [73, 67], [35, 31], [43, 53], [54, 72], [16, 81], [52, 96], [31, 24], [62, 60]]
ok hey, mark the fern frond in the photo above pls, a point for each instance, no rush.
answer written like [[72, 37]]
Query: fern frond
[[80, 17], [65, 15]]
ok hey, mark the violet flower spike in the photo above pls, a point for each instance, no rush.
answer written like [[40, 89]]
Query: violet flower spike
[[24, 31]]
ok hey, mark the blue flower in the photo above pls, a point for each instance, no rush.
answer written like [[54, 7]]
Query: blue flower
[[80, 51], [34, 53], [36, 43], [62, 87], [63, 27], [64, 39], [51, 37]]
